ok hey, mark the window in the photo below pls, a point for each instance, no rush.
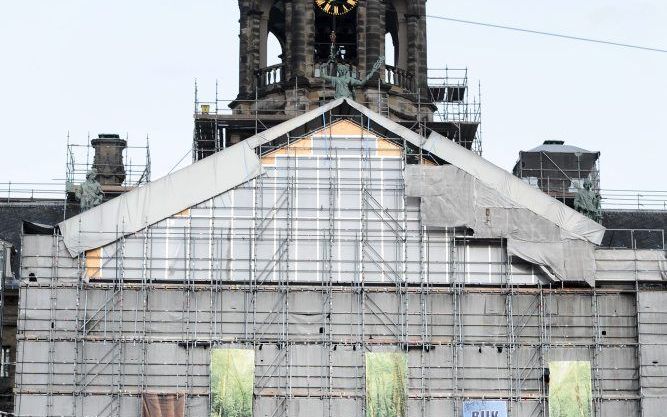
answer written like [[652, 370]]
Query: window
[[5, 362], [274, 51], [390, 50]]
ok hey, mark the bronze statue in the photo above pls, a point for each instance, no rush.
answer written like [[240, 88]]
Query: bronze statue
[[89, 193], [588, 202], [346, 82]]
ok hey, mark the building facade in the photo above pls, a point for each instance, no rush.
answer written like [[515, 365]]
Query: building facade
[[316, 257], [326, 256]]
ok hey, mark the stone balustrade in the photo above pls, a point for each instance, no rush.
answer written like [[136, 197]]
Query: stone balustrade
[[270, 76], [399, 77]]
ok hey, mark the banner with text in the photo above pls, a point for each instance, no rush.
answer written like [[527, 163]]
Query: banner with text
[[484, 409]]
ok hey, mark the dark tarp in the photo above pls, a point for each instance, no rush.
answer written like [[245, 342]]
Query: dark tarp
[[163, 405]]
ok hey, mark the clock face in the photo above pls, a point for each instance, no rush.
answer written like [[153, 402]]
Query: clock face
[[336, 7]]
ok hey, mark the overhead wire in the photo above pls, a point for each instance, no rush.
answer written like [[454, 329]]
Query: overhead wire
[[544, 33]]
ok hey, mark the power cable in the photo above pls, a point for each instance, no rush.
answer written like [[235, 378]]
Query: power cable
[[556, 35]]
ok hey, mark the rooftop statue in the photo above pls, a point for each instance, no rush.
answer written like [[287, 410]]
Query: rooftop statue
[[344, 81], [90, 192], [588, 202]]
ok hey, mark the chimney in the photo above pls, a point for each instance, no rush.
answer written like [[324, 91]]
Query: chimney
[[108, 161]]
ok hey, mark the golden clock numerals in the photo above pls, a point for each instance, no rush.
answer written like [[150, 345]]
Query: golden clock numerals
[[334, 7]]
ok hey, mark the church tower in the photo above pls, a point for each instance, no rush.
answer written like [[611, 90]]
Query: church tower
[[317, 38], [304, 29]]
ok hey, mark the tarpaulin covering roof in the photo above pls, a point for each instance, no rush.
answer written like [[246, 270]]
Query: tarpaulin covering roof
[[237, 164], [160, 199]]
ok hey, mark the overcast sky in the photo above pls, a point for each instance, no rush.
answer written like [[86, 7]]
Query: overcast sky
[[128, 66]]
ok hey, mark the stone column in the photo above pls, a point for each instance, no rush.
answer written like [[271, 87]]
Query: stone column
[[249, 47], [263, 40], [375, 32], [362, 13], [417, 53], [303, 38], [287, 52]]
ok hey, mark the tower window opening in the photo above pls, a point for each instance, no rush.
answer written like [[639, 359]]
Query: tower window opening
[[274, 51], [390, 50]]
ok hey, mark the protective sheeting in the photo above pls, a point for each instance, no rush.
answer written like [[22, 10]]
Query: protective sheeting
[[496, 178], [39, 255], [163, 405], [160, 199], [619, 264], [219, 320], [567, 260], [451, 197]]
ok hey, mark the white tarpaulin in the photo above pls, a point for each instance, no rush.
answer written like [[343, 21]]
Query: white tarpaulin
[[453, 198], [160, 199], [617, 265]]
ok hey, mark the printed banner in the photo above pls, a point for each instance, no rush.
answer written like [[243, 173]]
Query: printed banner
[[484, 409], [386, 384], [232, 381], [570, 393]]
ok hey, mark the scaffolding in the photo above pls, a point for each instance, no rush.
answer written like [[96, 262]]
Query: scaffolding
[[136, 163], [448, 107], [559, 170], [450, 91], [313, 265]]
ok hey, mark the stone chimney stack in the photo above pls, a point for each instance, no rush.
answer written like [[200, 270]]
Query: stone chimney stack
[[108, 160]]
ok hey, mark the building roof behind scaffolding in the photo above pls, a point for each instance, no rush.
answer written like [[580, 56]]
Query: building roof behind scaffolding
[[556, 146]]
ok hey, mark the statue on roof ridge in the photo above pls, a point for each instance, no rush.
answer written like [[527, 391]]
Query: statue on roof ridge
[[588, 202], [90, 193], [344, 80]]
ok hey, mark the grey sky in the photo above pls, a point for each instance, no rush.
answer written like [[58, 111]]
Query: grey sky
[[129, 67]]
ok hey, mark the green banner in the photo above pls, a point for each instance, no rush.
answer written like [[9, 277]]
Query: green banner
[[570, 393], [386, 384], [232, 380]]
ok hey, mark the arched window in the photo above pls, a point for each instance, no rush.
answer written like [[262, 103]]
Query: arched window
[[397, 30], [272, 33], [390, 50], [274, 51]]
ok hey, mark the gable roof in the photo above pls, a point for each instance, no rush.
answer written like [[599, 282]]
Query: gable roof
[[237, 164]]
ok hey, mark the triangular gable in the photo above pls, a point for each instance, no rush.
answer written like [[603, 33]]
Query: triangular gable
[[350, 128], [496, 178], [237, 164], [522, 194], [339, 128], [300, 147], [344, 128]]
